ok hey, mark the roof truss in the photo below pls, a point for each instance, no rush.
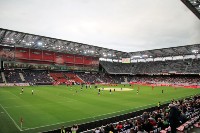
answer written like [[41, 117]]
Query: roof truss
[[20, 39]]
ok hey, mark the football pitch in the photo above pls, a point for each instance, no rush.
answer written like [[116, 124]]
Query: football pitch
[[50, 107]]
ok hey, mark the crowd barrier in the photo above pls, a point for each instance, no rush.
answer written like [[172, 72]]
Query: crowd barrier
[[14, 84], [166, 84], [41, 83]]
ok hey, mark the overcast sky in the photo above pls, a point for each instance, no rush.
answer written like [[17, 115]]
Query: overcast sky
[[125, 25]]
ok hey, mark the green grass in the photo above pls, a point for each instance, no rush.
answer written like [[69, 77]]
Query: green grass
[[53, 106]]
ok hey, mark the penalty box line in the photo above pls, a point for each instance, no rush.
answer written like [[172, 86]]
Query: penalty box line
[[11, 118]]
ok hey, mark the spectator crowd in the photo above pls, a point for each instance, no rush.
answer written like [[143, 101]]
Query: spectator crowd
[[167, 119], [153, 67]]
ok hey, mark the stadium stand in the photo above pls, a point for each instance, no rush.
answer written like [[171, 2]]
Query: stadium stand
[[27, 76], [177, 66], [37, 77], [59, 77], [119, 78], [12, 76], [74, 77], [95, 77], [88, 78], [167, 79], [159, 120], [115, 67], [42, 77]]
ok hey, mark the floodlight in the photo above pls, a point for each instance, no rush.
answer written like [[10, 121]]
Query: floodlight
[[195, 51], [39, 43], [145, 55], [136, 56]]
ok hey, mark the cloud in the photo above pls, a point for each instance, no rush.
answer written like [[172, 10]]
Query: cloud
[[122, 25]]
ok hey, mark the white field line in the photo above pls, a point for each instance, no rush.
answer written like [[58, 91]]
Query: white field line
[[80, 119], [11, 118], [17, 106]]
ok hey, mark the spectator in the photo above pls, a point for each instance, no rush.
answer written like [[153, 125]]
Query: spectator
[[160, 124], [74, 128], [62, 129], [174, 116]]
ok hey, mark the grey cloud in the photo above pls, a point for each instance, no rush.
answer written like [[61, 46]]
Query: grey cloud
[[126, 25]]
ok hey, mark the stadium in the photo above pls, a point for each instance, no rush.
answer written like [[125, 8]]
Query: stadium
[[54, 85]]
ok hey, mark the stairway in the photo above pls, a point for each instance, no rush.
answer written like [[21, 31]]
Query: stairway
[[22, 77], [3, 77], [80, 79], [98, 79], [125, 79], [74, 77]]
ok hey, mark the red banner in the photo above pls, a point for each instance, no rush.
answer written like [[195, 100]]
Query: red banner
[[11, 53]]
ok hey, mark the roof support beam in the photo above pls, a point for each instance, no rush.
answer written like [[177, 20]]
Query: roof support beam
[[191, 7]]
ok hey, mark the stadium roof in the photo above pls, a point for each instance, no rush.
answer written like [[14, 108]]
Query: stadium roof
[[167, 52], [26, 40], [193, 5], [19, 39]]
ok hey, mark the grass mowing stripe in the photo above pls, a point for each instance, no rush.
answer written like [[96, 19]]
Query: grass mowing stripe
[[84, 107], [142, 107], [7, 99], [87, 117], [37, 104], [11, 118]]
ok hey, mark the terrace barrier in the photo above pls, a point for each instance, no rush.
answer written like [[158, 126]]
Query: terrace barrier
[[14, 84]]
